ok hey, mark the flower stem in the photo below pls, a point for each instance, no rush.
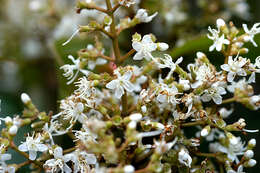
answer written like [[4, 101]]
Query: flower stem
[[132, 51], [233, 99], [124, 104]]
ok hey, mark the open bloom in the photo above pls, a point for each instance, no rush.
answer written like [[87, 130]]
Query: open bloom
[[251, 33], [214, 93], [142, 15], [184, 158], [144, 48], [127, 3], [33, 145], [234, 67], [168, 63], [69, 69], [167, 94], [218, 41], [58, 163], [121, 83]]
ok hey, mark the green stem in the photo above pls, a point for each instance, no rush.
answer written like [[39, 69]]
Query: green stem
[[124, 104], [233, 99]]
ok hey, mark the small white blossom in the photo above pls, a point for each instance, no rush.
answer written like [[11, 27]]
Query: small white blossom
[[121, 83], [255, 101], [184, 158], [129, 169], [234, 149], [249, 154], [251, 162], [58, 163], [33, 145], [167, 94], [234, 67], [168, 63], [69, 69], [127, 3], [142, 15], [239, 170], [86, 90], [144, 48], [214, 93], [81, 160], [218, 41], [224, 113], [251, 33]]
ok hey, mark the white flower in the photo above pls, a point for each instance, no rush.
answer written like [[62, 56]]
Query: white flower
[[167, 94], [257, 62], [218, 41], [58, 162], [71, 110], [142, 15], [251, 33], [234, 149], [241, 85], [214, 93], [224, 113], [69, 69], [162, 147], [144, 48], [86, 90], [239, 170], [255, 101], [121, 83], [127, 3], [81, 160], [168, 63], [99, 61], [32, 145], [234, 67], [184, 158], [203, 74], [4, 168]]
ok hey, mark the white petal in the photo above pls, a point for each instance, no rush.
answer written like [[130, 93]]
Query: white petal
[[58, 152], [205, 98], [112, 84], [137, 46], [42, 147], [127, 75], [32, 154], [139, 56], [91, 65], [225, 67], [231, 76], [147, 39], [252, 78], [119, 92], [128, 86], [23, 147], [217, 99]]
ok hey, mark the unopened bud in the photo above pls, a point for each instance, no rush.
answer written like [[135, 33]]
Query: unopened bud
[[129, 169], [205, 131], [13, 130], [252, 143], [25, 98], [250, 163], [220, 23], [249, 154], [162, 46]]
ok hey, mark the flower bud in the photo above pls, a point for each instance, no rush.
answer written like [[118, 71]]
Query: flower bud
[[205, 131], [25, 98], [129, 169], [8, 120], [250, 163], [249, 154], [144, 109], [13, 130], [162, 46], [252, 143], [220, 23]]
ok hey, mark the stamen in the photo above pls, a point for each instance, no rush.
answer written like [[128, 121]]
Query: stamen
[[76, 32]]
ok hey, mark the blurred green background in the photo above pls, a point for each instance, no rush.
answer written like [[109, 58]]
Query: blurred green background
[[31, 53]]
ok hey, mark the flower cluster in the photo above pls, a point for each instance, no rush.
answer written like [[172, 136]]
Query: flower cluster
[[133, 117]]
